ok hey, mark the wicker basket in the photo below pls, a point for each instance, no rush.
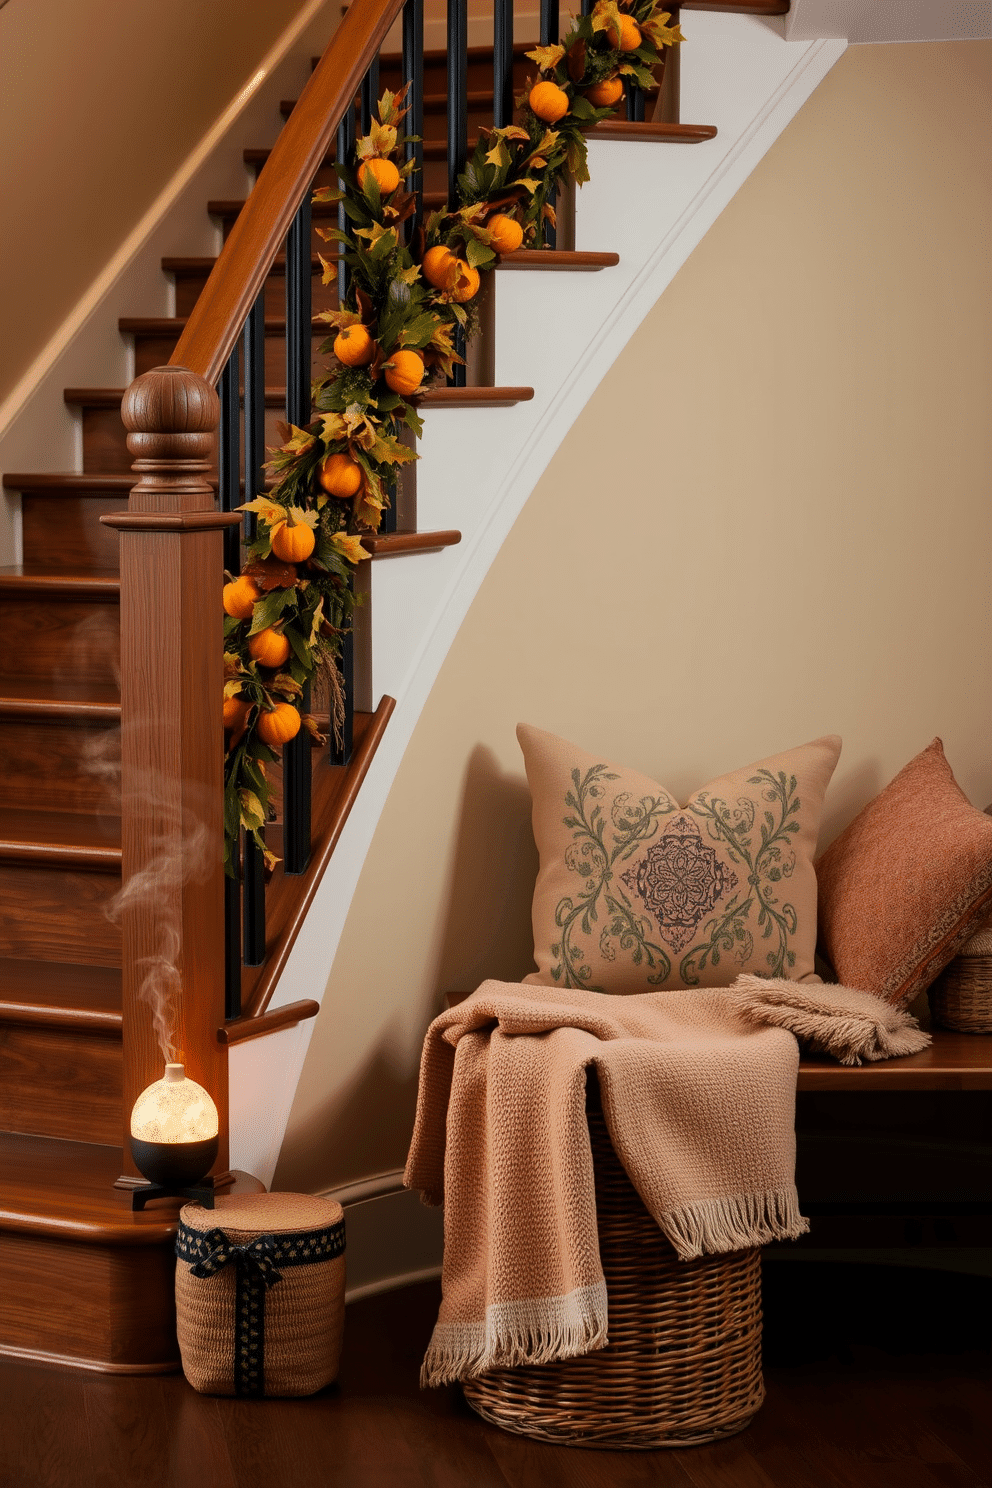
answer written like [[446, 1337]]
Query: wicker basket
[[683, 1364], [961, 997], [260, 1294]]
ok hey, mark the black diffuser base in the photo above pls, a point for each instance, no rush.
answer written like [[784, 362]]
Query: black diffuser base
[[174, 1170], [202, 1192]]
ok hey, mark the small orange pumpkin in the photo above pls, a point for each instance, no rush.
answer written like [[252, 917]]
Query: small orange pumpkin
[[438, 266], [465, 284], [269, 648], [383, 172], [239, 597], [278, 725], [606, 93], [404, 372], [353, 346], [549, 102], [630, 34], [506, 233], [341, 476], [236, 711], [293, 542]]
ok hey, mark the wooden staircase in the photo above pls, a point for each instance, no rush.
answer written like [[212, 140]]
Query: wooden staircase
[[84, 1280]]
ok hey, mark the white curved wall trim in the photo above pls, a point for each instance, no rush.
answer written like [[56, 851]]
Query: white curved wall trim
[[559, 333]]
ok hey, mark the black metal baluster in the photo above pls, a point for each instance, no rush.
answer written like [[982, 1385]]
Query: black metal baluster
[[345, 145], [388, 520], [457, 124], [252, 904], [232, 947], [587, 7], [413, 75], [549, 37], [229, 457], [341, 753], [254, 395], [503, 64], [370, 95], [296, 754], [635, 102]]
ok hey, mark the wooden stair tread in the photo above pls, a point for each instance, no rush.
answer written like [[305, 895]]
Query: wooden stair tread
[[434, 103], [32, 697], [523, 258], [71, 482], [61, 995], [431, 199], [442, 397], [954, 1061], [61, 838], [66, 1190], [20, 579]]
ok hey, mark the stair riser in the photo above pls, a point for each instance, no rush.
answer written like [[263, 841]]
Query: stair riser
[[64, 532], [65, 640], [480, 74], [90, 1304], [155, 351], [55, 914], [323, 297], [60, 1083], [71, 765]]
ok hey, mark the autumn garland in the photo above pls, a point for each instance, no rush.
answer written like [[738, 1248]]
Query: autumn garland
[[287, 613]]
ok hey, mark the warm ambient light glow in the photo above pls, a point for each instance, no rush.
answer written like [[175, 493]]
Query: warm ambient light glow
[[174, 1109]]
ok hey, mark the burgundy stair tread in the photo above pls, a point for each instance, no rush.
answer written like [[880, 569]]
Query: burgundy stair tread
[[66, 1190], [61, 995], [20, 579], [558, 258], [61, 837], [387, 544], [625, 129], [61, 482], [32, 697], [473, 397]]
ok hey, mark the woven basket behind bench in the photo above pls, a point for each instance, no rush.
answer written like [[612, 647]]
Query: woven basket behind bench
[[683, 1364], [961, 997]]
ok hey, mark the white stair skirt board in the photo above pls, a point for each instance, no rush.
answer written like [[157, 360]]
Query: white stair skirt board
[[737, 73]]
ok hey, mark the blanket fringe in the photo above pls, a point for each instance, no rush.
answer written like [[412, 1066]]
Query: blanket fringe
[[741, 1222], [535, 1330]]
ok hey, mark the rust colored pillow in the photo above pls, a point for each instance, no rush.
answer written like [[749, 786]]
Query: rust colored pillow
[[636, 892], [907, 883]]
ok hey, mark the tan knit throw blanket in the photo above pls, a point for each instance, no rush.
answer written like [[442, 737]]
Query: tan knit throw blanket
[[699, 1104]]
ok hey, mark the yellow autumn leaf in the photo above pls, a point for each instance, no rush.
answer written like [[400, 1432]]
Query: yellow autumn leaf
[[499, 155], [409, 276], [270, 511], [349, 545], [332, 428], [303, 518], [606, 17], [252, 811], [547, 57]]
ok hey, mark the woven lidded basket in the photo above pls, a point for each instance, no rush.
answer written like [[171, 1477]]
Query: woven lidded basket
[[961, 997], [683, 1364], [260, 1294]]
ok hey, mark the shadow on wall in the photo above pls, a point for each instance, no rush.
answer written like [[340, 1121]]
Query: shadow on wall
[[486, 926]]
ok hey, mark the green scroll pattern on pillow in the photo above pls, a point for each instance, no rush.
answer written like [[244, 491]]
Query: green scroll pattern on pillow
[[679, 881]]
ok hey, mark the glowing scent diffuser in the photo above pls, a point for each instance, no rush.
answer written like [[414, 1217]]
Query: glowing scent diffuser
[[174, 1128]]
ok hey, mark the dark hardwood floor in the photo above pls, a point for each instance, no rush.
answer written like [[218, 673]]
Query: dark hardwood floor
[[877, 1378]]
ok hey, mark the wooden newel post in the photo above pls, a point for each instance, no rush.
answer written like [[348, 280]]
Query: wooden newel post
[[172, 921]]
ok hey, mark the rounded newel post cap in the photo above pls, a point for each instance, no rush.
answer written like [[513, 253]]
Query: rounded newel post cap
[[170, 400]]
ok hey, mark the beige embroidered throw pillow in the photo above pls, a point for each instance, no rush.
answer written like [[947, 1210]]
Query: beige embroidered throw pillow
[[636, 892]]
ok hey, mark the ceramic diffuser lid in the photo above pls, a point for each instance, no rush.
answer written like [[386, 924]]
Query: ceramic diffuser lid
[[174, 1109]]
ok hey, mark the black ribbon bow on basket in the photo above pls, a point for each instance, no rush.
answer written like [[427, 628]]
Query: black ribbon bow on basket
[[255, 1258]]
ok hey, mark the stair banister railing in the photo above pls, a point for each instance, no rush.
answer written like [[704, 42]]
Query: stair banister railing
[[173, 551]]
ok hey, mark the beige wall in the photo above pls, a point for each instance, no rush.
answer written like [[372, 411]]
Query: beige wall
[[100, 102], [772, 522]]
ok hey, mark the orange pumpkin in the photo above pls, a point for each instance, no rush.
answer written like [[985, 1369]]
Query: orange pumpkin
[[269, 648], [341, 476], [293, 542], [630, 35], [404, 372], [506, 233], [606, 93], [549, 102], [383, 172], [466, 282], [240, 597], [438, 266], [353, 346], [236, 711], [278, 725]]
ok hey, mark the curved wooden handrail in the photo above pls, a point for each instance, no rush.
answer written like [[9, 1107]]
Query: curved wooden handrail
[[258, 234]]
